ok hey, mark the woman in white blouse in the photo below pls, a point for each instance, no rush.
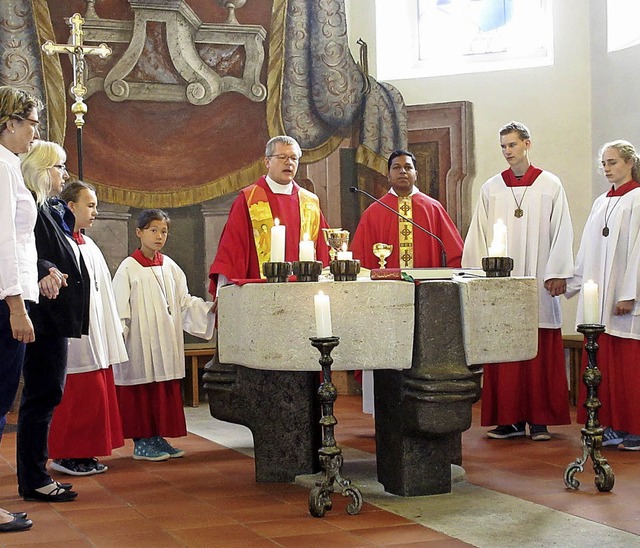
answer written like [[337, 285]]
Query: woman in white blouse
[[18, 269]]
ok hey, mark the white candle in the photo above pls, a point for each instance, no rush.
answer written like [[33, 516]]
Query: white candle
[[344, 255], [590, 302], [307, 249], [323, 315], [278, 235], [498, 247]]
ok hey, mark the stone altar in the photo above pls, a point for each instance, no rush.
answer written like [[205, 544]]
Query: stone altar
[[419, 339]]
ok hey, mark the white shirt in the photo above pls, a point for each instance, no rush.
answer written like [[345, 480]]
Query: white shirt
[[155, 307], [540, 242], [18, 213], [613, 262], [104, 345]]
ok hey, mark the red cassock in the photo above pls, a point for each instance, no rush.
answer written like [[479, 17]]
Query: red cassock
[[533, 390], [378, 224], [237, 257]]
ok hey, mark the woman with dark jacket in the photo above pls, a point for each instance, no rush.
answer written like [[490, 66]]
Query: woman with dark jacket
[[62, 312]]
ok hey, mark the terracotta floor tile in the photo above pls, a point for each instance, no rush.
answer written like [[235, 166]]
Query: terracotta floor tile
[[216, 536], [291, 527], [252, 514], [138, 540], [342, 539], [387, 536]]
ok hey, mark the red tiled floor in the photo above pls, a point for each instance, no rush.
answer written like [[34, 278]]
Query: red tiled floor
[[210, 497]]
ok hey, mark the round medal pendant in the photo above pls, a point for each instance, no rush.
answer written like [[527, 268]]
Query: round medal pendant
[[518, 213], [605, 231]]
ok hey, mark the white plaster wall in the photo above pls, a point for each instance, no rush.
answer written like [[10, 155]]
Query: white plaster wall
[[554, 102]]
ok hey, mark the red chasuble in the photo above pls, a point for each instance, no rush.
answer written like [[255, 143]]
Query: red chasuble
[[378, 224], [237, 257]]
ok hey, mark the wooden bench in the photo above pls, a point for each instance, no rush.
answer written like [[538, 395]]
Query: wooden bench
[[574, 344], [192, 369]]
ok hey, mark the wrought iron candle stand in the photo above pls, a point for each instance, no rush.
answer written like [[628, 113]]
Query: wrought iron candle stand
[[307, 271], [592, 431], [497, 267], [330, 454]]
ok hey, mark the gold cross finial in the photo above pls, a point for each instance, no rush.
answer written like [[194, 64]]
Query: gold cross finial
[[77, 50]]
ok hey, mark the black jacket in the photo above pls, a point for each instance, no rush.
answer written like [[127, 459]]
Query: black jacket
[[68, 314]]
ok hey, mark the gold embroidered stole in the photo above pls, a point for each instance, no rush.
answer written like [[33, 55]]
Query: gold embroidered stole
[[405, 232], [262, 218]]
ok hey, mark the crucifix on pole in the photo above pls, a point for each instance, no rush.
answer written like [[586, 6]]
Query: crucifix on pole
[[77, 50]]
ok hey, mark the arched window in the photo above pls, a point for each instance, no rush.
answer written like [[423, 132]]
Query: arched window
[[623, 27], [420, 38]]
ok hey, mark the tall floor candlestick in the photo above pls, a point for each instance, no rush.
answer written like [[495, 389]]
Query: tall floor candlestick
[[592, 431], [330, 454]]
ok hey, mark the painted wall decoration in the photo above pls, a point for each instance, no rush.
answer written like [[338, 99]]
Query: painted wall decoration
[[180, 112]]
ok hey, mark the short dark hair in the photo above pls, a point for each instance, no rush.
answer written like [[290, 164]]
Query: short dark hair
[[400, 152], [147, 216], [516, 127]]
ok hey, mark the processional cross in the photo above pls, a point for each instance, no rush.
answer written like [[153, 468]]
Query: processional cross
[[77, 50]]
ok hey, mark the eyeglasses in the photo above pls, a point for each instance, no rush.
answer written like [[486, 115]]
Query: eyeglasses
[[61, 167], [284, 158], [34, 123]]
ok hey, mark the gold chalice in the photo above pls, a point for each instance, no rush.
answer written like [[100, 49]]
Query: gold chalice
[[335, 238], [382, 251]]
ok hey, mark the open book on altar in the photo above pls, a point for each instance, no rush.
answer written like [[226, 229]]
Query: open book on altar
[[437, 273]]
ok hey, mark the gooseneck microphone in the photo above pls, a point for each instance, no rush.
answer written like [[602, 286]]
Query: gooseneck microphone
[[443, 253]]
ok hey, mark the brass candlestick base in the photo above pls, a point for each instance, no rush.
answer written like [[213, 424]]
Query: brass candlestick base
[[345, 271], [592, 431], [330, 454], [276, 272], [497, 267], [307, 271]]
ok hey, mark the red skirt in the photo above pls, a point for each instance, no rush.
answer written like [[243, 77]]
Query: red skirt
[[618, 360], [152, 409], [87, 422], [535, 391]]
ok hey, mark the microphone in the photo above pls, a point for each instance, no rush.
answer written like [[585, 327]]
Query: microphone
[[443, 253]]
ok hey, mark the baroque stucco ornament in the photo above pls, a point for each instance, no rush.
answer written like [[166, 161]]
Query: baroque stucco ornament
[[196, 81]]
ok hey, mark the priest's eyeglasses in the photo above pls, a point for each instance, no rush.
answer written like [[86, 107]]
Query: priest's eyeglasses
[[285, 157]]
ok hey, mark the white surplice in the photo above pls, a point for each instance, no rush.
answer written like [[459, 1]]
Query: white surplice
[[613, 262], [540, 242], [103, 346], [155, 307]]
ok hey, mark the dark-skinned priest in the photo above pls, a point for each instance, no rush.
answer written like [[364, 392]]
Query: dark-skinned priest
[[412, 247], [245, 243]]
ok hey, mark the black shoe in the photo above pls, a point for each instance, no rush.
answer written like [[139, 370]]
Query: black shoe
[[16, 524], [505, 431], [19, 515], [59, 494], [539, 432], [78, 467]]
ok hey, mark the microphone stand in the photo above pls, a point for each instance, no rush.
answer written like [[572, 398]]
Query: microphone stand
[[443, 253]]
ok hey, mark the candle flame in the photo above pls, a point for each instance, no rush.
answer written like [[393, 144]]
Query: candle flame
[[344, 246], [320, 292], [306, 237], [276, 221]]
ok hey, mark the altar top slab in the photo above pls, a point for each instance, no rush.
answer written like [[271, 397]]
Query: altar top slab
[[268, 326]]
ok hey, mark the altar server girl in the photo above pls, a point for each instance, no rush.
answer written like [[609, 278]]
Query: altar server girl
[[155, 307], [87, 423]]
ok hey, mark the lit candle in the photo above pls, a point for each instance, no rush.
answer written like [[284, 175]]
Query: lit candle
[[498, 247], [278, 234], [307, 249], [344, 255], [323, 314], [590, 302]]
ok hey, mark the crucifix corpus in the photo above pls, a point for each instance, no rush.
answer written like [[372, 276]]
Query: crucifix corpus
[[77, 50]]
